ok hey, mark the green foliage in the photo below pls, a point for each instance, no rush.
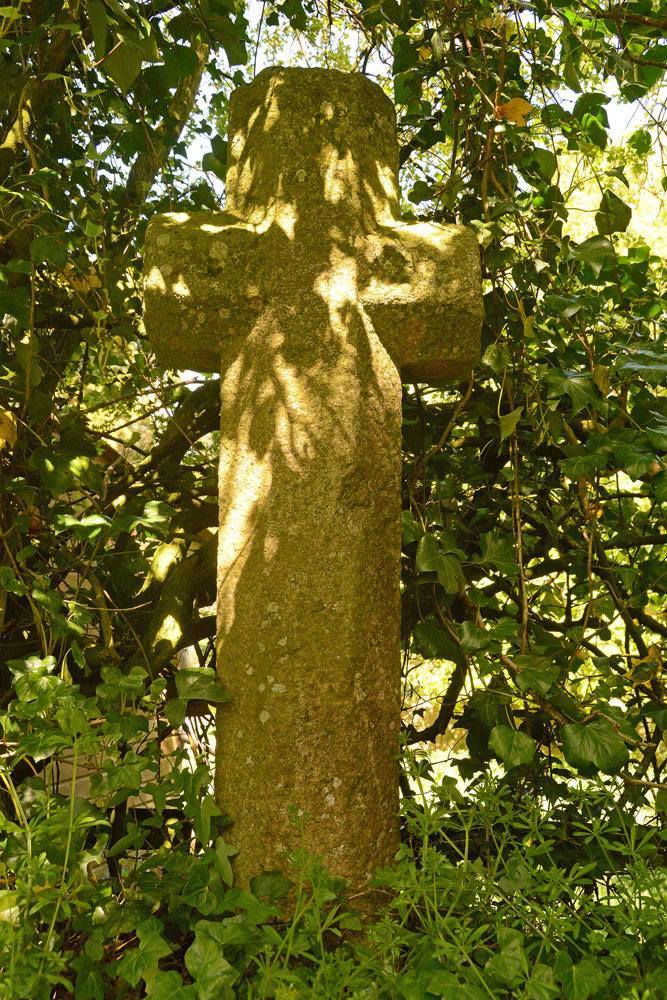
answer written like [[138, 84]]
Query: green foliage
[[533, 529], [495, 894], [547, 483]]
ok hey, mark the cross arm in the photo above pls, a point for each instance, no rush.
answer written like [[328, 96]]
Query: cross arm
[[201, 295], [421, 286]]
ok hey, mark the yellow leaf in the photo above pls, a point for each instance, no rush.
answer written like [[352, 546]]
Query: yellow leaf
[[10, 910], [8, 429], [655, 655], [644, 669], [82, 281], [601, 378], [500, 24], [514, 111]]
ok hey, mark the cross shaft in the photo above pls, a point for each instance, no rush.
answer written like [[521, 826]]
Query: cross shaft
[[313, 298]]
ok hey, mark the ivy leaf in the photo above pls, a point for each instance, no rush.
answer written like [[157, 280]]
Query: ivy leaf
[[271, 885], [594, 744], [128, 774], [496, 357], [43, 743], [443, 984], [579, 981], [124, 61], [200, 683], [594, 131], [634, 457], [570, 74], [538, 165], [429, 559], [133, 839], [486, 708], [613, 215], [182, 60], [542, 984], [433, 642], [212, 165], [450, 574], [10, 582], [659, 486], [498, 550], [407, 87], [512, 747], [510, 964], [412, 530], [595, 251], [203, 815], [15, 302], [515, 111], [564, 305], [438, 39], [235, 48], [641, 142], [198, 891], [223, 852], [651, 365], [48, 248], [472, 637], [170, 986], [157, 514], [258, 912], [142, 963], [589, 109], [405, 54], [583, 466], [89, 983], [657, 433], [509, 421], [204, 960], [58, 469], [581, 389], [123, 65], [72, 719], [175, 710], [428, 553], [617, 172], [98, 24], [132, 684], [421, 191], [536, 679]]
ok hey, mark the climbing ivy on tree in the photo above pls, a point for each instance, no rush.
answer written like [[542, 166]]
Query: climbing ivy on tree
[[534, 492], [546, 485]]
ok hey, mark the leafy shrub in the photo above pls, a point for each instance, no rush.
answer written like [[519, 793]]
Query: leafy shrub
[[497, 893]]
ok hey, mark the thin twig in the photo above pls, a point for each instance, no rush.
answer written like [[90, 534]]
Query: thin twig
[[425, 459]]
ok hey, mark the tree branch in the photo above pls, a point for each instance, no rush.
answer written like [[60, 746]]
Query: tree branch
[[147, 165], [36, 93], [198, 414], [173, 614]]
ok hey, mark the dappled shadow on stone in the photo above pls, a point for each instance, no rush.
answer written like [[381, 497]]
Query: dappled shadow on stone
[[312, 294]]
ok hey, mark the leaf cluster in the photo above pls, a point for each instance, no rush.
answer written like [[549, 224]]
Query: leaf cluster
[[533, 525]]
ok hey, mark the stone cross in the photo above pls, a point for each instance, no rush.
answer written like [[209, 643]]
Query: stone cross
[[314, 299]]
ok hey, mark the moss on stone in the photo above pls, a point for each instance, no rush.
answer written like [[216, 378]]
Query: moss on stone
[[314, 297]]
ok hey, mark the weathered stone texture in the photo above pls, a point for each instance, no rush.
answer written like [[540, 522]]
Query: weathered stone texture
[[308, 590], [314, 296]]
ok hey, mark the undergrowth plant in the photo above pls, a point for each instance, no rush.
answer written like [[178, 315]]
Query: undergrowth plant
[[533, 566], [127, 893]]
